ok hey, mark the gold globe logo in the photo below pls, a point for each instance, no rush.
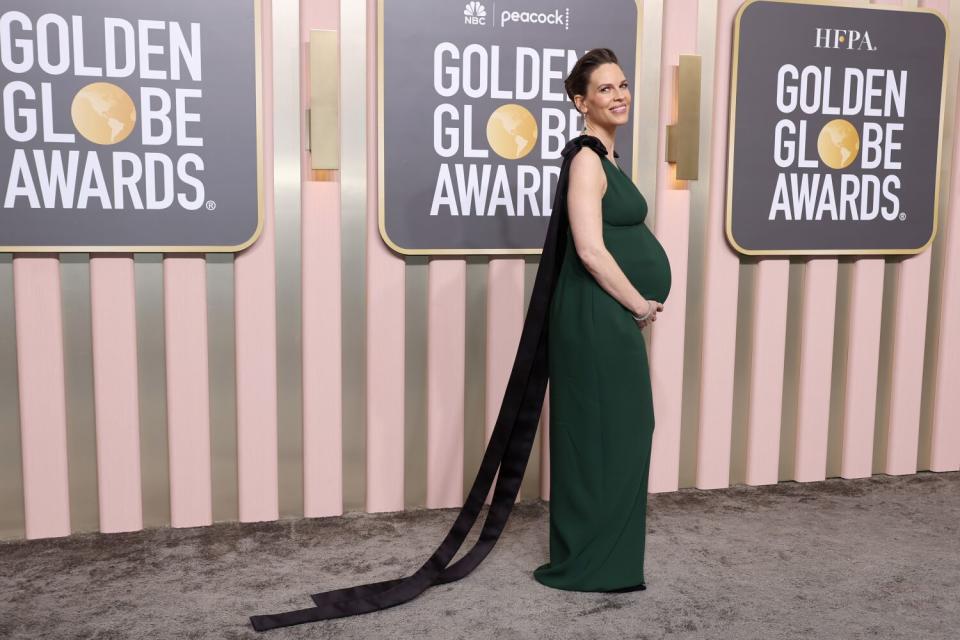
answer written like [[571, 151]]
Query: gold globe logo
[[103, 113], [838, 143], [511, 131]]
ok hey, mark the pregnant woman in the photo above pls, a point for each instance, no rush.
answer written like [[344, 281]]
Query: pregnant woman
[[613, 279], [602, 278]]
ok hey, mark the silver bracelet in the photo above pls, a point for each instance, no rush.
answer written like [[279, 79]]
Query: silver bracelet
[[646, 315]]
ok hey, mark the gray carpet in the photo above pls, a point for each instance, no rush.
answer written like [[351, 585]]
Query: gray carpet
[[840, 559]]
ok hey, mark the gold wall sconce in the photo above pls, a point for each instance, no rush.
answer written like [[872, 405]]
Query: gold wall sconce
[[323, 116], [683, 137]]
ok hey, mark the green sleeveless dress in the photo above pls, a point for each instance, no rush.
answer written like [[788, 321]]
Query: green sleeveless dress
[[601, 405]]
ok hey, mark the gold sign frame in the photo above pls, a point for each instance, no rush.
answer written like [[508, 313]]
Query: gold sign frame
[[120, 249], [381, 221], [728, 209]]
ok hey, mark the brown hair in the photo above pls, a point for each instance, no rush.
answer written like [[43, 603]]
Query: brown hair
[[578, 80]]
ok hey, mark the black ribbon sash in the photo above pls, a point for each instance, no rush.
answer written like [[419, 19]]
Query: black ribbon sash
[[508, 448]]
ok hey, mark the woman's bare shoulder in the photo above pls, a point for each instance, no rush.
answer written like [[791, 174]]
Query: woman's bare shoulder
[[586, 171]]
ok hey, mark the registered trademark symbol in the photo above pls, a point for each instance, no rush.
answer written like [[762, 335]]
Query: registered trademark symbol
[[903, 216], [211, 205]]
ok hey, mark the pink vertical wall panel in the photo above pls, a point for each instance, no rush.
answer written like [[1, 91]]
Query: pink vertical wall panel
[[321, 309], [945, 427], [188, 389], [666, 344], [385, 325], [863, 357], [903, 427], [446, 369], [504, 324], [322, 351], [721, 270], [43, 419], [256, 330], [671, 223], [816, 365], [766, 370], [116, 396]]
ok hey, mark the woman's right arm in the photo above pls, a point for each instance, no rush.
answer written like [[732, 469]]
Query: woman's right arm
[[586, 185]]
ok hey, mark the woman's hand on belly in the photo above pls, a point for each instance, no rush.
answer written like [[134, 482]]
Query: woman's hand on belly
[[651, 316]]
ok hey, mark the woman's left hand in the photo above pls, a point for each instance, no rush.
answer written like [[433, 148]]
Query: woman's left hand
[[656, 308]]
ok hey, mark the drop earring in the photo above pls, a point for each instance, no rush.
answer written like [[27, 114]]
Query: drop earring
[[584, 132]]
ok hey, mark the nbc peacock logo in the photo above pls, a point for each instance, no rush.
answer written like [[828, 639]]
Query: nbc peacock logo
[[475, 13]]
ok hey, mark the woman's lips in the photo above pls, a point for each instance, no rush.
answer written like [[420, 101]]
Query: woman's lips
[[620, 109]]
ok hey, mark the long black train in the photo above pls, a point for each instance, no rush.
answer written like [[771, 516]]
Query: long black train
[[508, 448]]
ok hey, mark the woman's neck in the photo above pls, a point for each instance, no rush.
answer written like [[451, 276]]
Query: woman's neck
[[606, 136]]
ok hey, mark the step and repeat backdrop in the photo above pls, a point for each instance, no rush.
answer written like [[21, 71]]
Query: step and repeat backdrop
[[196, 325]]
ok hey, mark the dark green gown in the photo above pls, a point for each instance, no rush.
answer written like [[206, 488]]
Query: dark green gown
[[601, 405]]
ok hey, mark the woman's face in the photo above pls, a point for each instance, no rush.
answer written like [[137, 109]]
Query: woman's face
[[607, 102]]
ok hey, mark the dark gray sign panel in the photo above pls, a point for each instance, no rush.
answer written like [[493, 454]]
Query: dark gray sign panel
[[836, 123], [129, 126], [473, 116]]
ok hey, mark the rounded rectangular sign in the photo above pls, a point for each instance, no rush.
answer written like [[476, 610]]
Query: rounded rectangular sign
[[835, 131], [473, 116], [130, 126]]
